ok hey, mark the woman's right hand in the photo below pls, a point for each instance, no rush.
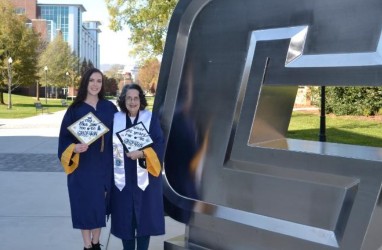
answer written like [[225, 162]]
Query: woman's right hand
[[81, 147], [135, 155]]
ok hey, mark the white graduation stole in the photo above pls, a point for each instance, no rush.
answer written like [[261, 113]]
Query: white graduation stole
[[118, 151]]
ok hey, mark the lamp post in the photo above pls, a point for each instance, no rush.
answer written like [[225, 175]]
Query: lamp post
[[10, 61], [46, 83], [37, 90], [322, 135], [72, 82], [67, 85]]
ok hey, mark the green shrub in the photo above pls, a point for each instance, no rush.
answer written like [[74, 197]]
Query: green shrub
[[353, 100]]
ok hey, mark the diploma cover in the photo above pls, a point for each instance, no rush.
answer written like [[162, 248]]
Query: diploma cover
[[135, 138], [88, 128]]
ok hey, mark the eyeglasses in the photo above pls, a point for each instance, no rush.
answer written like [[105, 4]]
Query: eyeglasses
[[130, 99]]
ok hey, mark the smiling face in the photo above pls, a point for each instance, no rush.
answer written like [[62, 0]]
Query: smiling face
[[133, 102], [95, 84]]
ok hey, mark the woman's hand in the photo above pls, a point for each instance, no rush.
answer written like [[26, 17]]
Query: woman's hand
[[134, 155], [81, 147]]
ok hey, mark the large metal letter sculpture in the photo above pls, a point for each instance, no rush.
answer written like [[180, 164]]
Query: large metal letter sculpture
[[227, 85]]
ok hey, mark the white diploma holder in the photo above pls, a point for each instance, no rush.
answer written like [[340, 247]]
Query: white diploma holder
[[135, 138], [88, 129]]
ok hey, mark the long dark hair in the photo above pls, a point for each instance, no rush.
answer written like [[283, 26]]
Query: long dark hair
[[83, 89], [122, 98]]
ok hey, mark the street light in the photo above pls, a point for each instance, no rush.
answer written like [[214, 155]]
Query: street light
[[10, 61], [46, 83], [67, 85], [322, 135], [72, 82]]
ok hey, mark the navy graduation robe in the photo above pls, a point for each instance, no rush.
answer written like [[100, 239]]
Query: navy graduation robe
[[89, 182], [132, 204]]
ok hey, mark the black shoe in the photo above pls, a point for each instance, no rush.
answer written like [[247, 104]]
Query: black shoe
[[96, 246], [88, 248]]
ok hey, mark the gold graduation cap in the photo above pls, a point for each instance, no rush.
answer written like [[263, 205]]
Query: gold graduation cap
[[69, 159], [152, 162]]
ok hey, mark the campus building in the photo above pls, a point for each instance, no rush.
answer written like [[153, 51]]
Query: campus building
[[51, 19]]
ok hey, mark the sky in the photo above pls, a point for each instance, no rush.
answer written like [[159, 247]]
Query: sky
[[114, 46]]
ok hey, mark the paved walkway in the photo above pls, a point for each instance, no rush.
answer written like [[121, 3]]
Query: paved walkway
[[34, 211]]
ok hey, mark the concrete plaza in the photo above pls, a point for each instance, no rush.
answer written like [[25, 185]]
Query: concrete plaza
[[34, 211]]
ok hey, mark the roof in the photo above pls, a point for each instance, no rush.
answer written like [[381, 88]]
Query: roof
[[80, 6]]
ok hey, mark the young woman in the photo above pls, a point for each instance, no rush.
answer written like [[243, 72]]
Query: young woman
[[136, 196], [89, 184]]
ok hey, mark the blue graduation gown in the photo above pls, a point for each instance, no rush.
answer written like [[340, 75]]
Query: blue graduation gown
[[146, 206], [89, 182]]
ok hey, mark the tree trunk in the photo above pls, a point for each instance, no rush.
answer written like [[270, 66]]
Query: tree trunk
[[37, 91], [2, 97]]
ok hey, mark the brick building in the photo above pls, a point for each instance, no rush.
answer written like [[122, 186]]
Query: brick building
[[51, 19]]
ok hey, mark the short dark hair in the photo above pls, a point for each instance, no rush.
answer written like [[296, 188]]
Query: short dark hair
[[122, 98], [83, 89]]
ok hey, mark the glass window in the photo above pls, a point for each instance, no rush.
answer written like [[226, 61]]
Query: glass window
[[59, 15], [20, 11]]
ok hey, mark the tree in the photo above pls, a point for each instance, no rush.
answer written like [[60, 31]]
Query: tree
[[146, 19], [111, 86], [148, 75], [90, 64], [85, 65], [353, 100], [40, 49], [20, 43], [115, 71], [59, 58], [73, 73]]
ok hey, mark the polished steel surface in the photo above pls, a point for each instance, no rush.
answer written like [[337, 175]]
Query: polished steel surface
[[229, 77]]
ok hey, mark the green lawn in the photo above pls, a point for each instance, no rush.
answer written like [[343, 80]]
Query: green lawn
[[303, 125], [150, 102], [347, 130], [23, 106]]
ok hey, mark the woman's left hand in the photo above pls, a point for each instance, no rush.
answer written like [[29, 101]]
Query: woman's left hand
[[134, 155]]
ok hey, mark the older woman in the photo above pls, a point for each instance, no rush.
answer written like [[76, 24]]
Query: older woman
[[136, 198]]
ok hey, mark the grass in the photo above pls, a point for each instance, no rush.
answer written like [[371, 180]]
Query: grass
[[23, 106], [339, 129], [304, 125], [150, 102]]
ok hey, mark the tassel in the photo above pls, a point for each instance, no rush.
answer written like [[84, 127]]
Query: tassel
[[102, 144]]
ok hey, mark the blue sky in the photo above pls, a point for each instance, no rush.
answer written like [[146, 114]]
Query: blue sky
[[114, 45]]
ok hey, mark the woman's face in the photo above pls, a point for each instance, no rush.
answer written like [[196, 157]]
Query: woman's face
[[95, 84], [132, 101]]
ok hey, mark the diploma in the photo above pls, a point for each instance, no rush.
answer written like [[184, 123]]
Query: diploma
[[88, 128], [135, 138]]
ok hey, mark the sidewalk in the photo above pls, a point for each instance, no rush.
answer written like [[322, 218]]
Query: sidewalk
[[34, 211]]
